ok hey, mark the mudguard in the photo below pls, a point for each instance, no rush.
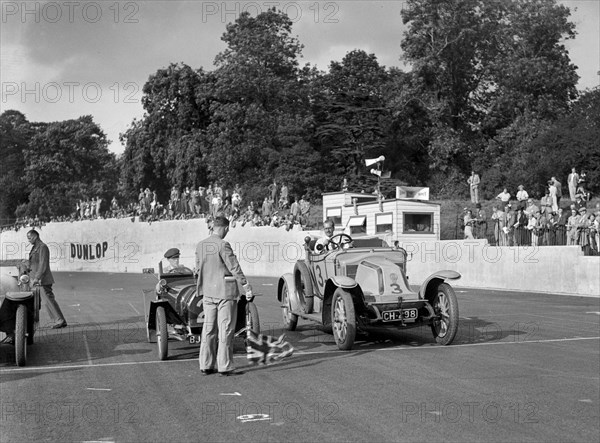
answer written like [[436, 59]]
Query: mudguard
[[172, 316], [341, 281], [440, 275], [293, 294]]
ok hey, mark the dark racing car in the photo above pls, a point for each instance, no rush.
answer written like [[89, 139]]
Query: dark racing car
[[360, 283], [176, 311]]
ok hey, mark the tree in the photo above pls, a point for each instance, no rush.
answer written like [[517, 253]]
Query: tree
[[260, 103], [15, 132], [66, 161], [478, 66], [351, 119], [164, 149]]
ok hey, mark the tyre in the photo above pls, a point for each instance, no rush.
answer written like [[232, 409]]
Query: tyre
[[254, 320], [162, 334], [304, 286], [343, 319], [21, 335], [445, 305], [290, 321]]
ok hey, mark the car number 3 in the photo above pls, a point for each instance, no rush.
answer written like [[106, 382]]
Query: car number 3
[[319, 276], [396, 288]]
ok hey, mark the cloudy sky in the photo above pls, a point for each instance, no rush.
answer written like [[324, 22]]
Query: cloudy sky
[[63, 59]]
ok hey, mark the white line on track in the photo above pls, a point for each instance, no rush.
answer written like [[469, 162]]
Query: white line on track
[[333, 351], [87, 350]]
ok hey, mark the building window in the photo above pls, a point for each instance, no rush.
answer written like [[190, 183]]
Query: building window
[[383, 223], [334, 214], [358, 225], [418, 223]]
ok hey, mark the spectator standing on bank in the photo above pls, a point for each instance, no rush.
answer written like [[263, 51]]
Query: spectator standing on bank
[[572, 182], [546, 202], [481, 222], [283, 197], [39, 261], [558, 189], [216, 260], [496, 214], [469, 221], [304, 211], [273, 190], [504, 197], [522, 196], [267, 207], [572, 223], [553, 197], [531, 207], [473, 182], [295, 210]]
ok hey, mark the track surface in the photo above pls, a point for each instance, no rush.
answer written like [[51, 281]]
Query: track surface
[[523, 368]]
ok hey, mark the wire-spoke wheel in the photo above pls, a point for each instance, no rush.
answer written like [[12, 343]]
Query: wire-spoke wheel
[[445, 305], [343, 319]]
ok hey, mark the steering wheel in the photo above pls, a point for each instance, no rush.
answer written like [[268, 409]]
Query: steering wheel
[[344, 239]]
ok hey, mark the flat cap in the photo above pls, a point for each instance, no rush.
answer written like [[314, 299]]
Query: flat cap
[[172, 253]]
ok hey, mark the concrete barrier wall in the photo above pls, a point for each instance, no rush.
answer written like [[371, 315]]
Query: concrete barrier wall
[[553, 269], [120, 245]]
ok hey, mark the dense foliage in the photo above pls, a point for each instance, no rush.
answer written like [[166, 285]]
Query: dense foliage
[[491, 87]]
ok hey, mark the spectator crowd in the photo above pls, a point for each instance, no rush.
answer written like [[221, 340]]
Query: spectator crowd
[[278, 209], [524, 221]]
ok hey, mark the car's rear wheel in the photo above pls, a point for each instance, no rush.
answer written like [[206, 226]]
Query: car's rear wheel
[[290, 321], [304, 286], [21, 335], [445, 305], [343, 319], [162, 334]]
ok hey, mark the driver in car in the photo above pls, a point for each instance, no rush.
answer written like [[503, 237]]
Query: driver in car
[[172, 255], [322, 244]]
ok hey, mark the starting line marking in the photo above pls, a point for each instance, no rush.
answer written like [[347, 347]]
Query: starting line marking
[[333, 351]]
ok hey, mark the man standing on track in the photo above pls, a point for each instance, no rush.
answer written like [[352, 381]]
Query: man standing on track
[[215, 260], [39, 261]]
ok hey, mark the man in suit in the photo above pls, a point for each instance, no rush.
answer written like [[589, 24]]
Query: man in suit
[[39, 262], [215, 260], [473, 182], [572, 181]]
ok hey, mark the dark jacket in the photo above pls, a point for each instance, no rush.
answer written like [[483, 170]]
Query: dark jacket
[[39, 262]]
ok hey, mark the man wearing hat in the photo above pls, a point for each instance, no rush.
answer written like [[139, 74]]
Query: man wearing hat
[[215, 260], [172, 255]]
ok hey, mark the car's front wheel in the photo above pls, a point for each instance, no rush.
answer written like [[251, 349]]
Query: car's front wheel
[[304, 286], [162, 334], [343, 319], [445, 305], [290, 321], [21, 335]]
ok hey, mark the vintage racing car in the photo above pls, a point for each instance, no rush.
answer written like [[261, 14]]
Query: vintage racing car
[[177, 313], [19, 306], [362, 282]]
